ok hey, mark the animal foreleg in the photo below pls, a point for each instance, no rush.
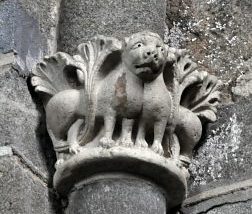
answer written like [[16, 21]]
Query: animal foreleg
[[140, 139], [109, 125], [127, 125], [159, 129]]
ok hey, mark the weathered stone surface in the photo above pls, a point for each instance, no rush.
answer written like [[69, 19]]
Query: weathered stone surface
[[122, 194], [28, 27], [80, 20], [225, 154], [21, 191], [243, 84], [218, 33], [21, 125]]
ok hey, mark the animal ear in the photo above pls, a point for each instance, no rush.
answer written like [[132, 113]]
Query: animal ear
[[125, 41], [171, 57]]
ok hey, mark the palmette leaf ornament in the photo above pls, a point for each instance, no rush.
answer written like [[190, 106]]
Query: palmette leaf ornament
[[51, 75], [192, 89], [179, 73], [92, 56], [62, 71], [203, 98]]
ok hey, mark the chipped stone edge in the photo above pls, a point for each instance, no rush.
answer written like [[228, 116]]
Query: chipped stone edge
[[216, 192], [5, 151], [7, 58]]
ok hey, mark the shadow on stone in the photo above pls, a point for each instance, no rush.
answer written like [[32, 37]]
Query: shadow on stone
[[46, 146]]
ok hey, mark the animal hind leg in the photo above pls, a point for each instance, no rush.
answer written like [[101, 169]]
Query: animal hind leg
[[188, 130], [60, 159], [58, 145], [72, 136]]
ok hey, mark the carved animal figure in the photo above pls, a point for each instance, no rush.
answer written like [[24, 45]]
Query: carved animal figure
[[146, 57], [68, 87], [116, 93], [113, 88], [113, 82]]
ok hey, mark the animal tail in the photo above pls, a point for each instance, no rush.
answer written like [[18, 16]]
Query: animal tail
[[94, 54]]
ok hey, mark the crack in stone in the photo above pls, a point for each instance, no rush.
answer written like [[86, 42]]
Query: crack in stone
[[219, 191], [220, 205], [28, 165]]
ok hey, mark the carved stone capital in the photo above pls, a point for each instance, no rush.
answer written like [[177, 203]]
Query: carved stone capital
[[134, 106]]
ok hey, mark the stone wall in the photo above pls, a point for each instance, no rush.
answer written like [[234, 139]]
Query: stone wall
[[218, 35], [28, 31]]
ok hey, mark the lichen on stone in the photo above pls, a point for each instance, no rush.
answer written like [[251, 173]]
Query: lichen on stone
[[219, 148]]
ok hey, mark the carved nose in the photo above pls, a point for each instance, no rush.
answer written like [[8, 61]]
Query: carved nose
[[151, 54]]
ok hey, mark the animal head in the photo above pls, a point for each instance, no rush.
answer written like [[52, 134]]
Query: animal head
[[144, 54]]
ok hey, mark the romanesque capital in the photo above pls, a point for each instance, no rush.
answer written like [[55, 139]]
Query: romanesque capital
[[135, 106]]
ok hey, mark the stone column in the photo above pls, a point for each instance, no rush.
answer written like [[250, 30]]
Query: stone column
[[116, 193], [120, 180], [82, 19]]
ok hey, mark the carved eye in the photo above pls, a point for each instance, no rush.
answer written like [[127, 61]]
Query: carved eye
[[138, 45], [161, 48]]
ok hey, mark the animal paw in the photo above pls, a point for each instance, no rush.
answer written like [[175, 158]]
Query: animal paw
[[74, 148], [141, 143], [126, 142], [157, 147], [106, 142]]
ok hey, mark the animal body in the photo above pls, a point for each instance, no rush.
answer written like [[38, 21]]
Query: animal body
[[118, 94], [157, 110], [157, 101]]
